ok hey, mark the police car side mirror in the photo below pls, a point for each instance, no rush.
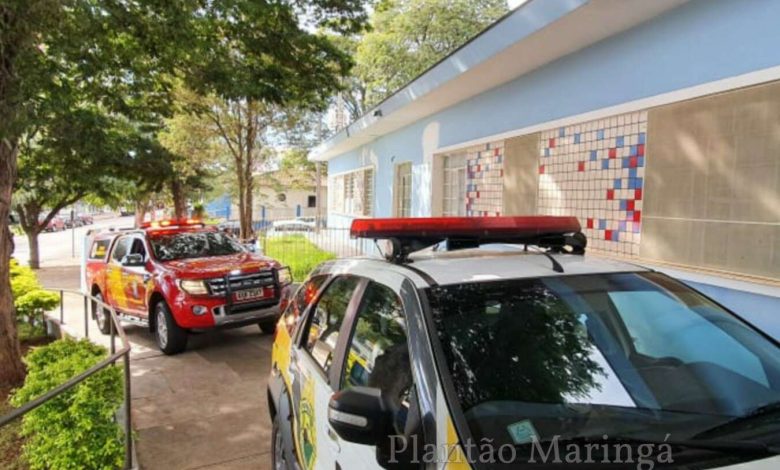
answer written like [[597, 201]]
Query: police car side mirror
[[360, 415], [133, 260]]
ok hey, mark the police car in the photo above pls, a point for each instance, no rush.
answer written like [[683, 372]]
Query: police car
[[496, 343]]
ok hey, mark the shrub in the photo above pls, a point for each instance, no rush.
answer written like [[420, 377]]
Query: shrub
[[30, 300], [77, 429]]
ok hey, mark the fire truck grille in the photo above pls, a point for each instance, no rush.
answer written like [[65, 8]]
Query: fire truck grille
[[239, 282]]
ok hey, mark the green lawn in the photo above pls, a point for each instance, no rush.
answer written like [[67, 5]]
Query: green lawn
[[297, 252]]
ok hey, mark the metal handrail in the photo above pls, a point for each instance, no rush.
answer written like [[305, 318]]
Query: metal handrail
[[123, 353]]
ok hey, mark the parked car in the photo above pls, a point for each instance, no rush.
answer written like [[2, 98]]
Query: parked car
[[56, 224], [488, 353], [294, 225], [181, 276], [85, 219]]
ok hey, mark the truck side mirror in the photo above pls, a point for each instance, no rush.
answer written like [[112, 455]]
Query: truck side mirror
[[133, 260], [360, 415]]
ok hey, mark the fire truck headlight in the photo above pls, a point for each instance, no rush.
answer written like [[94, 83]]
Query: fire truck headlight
[[285, 276], [194, 287]]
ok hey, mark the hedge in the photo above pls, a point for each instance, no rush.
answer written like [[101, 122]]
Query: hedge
[[30, 300], [77, 429]]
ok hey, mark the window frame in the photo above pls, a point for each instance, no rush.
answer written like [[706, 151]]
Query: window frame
[[332, 375], [352, 193], [402, 192], [120, 239]]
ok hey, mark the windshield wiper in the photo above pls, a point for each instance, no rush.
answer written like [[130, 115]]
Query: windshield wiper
[[756, 414]]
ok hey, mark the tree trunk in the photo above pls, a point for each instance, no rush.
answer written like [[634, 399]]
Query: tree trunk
[[11, 367], [35, 254], [179, 199]]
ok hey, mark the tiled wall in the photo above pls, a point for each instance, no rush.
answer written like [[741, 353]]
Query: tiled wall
[[595, 171], [484, 179]]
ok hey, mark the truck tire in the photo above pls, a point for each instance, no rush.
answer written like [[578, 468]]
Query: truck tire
[[278, 460], [171, 338], [268, 326], [102, 317]]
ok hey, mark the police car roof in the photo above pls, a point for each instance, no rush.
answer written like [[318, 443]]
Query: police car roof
[[487, 263]]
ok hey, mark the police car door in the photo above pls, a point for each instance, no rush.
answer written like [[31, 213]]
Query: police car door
[[317, 444], [377, 356]]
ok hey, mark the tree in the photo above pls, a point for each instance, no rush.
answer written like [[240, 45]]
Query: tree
[[124, 57], [409, 36]]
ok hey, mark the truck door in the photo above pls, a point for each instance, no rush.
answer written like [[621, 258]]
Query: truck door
[[312, 366], [377, 356], [114, 285], [134, 280]]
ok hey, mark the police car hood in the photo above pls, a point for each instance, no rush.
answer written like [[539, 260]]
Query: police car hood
[[218, 266]]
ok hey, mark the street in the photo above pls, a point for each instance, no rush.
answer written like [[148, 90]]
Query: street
[[57, 248]]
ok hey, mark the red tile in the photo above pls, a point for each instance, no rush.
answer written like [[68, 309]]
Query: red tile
[[551, 143], [637, 216], [613, 152], [477, 194], [638, 194], [640, 149], [590, 222], [608, 234], [581, 166], [632, 162], [541, 169], [610, 194], [501, 173], [495, 152], [629, 205]]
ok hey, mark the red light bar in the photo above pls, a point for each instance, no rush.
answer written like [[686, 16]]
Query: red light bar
[[482, 228], [172, 223]]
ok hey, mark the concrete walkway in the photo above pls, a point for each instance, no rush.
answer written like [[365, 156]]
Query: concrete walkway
[[202, 409]]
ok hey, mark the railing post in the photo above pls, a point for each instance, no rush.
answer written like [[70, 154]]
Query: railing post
[[62, 307], [128, 424], [86, 319], [113, 335]]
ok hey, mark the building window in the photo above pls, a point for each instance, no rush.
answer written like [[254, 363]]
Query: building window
[[312, 202], [402, 190], [352, 193], [454, 185]]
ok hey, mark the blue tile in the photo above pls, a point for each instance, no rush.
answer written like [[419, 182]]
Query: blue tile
[[546, 152], [632, 151], [600, 134], [618, 184], [500, 159], [636, 227], [631, 183], [605, 164], [632, 173], [630, 215], [640, 161], [622, 225], [623, 205], [641, 137], [625, 162], [577, 138], [638, 184], [615, 235], [593, 155], [602, 224], [619, 141], [562, 132]]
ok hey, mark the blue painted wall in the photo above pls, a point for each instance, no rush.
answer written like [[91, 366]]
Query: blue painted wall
[[699, 42]]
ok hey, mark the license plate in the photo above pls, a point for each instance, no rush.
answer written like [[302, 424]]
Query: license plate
[[249, 294]]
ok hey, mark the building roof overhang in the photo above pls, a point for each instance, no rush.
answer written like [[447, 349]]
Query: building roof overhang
[[526, 39]]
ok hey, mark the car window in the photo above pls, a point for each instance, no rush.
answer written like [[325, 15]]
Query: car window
[[138, 248], [120, 250], [303, 297], [378, 355], [99, 249], [326, 320]]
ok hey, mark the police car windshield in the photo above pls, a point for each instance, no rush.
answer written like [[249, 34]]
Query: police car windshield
[[183, 245], [629, 354]]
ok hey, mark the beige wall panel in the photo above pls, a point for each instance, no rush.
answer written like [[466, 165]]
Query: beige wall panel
[[713, 182], [521, 174]]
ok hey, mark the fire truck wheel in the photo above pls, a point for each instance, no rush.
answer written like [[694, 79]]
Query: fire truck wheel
[[268, 327], [102, 317], [171, 338]]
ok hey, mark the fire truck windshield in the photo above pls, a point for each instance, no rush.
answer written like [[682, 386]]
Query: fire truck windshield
[[176, 246]]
